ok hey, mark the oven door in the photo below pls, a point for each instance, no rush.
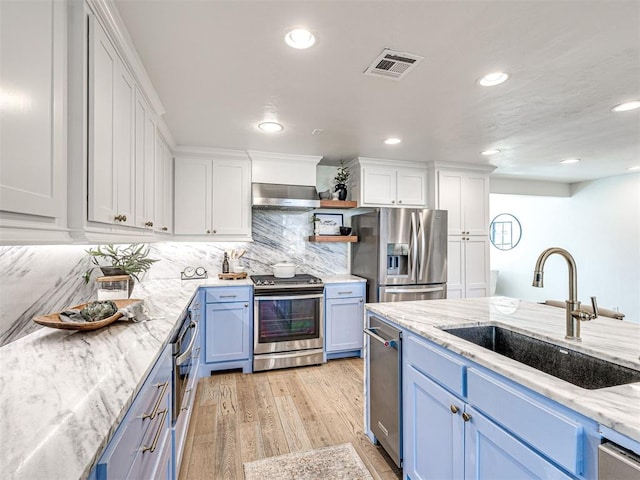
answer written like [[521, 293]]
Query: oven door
[[284, 323]]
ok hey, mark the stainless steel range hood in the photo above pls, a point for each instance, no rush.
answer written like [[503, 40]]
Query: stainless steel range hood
[[284, 197]]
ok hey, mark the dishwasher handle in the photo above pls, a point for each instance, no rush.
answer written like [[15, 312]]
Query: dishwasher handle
[[391, 343]]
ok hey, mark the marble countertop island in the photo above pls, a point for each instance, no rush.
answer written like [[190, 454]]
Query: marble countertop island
[[617, 408], [64, 393]]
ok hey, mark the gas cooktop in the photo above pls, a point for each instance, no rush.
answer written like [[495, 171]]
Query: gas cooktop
[[297, 281]]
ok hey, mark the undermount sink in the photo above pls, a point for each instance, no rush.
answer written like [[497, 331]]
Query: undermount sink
[[569, 365]]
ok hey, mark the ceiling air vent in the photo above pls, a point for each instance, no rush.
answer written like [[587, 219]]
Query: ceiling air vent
[[393, 64]]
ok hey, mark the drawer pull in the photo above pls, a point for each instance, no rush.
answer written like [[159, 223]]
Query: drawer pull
[[466, 417], [163, 386], [345, 293], [454, 409], [156, 437], [228, 296], [188, 392]]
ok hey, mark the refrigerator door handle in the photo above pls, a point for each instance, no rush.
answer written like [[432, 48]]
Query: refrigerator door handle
[[421, 249], [413, 247], [414, 290]]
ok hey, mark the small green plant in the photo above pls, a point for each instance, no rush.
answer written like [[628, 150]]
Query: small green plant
[[131, 259], [343, 174]]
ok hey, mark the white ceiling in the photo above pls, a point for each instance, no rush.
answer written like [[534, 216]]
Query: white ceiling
[[221, 67]]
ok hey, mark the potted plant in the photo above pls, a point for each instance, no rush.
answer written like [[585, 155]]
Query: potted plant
[[341, 178], [129, 260]]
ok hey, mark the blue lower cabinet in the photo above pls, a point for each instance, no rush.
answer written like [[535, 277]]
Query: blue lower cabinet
[[344, 320], [142, 442], [433, 430], [228, 330], [463, 421]]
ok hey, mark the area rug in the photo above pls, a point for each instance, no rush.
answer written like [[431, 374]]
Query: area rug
[[339, 462]]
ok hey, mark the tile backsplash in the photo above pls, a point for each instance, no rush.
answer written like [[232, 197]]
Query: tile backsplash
[[38, 280]]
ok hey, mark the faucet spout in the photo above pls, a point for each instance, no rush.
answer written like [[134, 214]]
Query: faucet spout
[[572, 304]]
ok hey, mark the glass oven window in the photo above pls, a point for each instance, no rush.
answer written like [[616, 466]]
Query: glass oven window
[[287, 320]]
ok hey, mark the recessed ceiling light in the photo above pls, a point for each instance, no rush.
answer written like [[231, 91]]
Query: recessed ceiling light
[[495, 78], [270, 127], [300, 38], [634, 168], [392, 141], [625, 107], [490, 152], [570, 160]]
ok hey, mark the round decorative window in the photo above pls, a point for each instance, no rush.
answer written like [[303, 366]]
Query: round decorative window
[[505, 231]]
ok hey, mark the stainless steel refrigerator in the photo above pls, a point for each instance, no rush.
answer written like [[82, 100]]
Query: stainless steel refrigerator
[[402, 252]]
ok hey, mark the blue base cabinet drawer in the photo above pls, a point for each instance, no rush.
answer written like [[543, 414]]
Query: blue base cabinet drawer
[[437, 364], [227, 294]]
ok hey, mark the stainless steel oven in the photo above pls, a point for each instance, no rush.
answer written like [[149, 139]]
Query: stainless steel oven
[[182, 349], [288, 325]]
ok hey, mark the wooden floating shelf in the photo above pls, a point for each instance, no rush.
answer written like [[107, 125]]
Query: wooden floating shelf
[[338, 204], [334, 238]]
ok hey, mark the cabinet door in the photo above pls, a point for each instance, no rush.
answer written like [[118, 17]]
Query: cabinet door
[[493, 454], [379, 185], [433, 433], [455, 267], [476, 204], [103, 72], [167, 207], [144, 136], [227, 332], [163, 188], [476, 261], [411, 187], [231, 197], [344, 324], [450, 199], [193, 196], [123, 144], [33, 165]]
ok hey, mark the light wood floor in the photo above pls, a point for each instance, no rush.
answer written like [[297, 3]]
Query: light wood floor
[[244, 417]]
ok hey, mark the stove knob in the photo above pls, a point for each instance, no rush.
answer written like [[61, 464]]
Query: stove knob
[[272, 282]]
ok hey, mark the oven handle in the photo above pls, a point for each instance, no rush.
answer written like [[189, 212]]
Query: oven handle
[[259, 298], [180, 359]]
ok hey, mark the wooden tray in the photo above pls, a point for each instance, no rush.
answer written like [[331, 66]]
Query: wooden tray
[[53, 320], [232, 276]]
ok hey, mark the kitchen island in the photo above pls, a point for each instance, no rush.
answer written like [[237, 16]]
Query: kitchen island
[[612, 412]]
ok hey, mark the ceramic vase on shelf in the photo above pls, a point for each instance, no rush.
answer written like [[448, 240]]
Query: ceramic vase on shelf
[[341, 189]]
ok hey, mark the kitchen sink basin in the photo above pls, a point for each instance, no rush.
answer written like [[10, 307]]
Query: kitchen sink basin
[[574, 367]]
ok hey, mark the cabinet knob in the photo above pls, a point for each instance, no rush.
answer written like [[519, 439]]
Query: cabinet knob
[[208, 232], [393, 201], [362, 300], [399, 201], [454, 409], [164, 229], [215, 231], [466, 417], [246, 305], [148, 224], [120, 218]]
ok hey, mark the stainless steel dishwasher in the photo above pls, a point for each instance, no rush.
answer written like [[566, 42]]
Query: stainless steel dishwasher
[[385, 386], [617, 463]]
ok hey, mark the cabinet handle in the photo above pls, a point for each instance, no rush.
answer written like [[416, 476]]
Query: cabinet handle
[[154, 412], [148, 224], [164, 229], [156, 437], [187, 402], [454, 409], [120, 218], [228, 296], [466, 417], [344, 293]]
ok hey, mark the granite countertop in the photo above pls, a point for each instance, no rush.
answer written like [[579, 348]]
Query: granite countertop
[[617, 408], [63, 393]]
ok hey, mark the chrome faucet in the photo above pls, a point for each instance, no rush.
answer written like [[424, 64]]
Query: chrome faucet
[[573, 313]]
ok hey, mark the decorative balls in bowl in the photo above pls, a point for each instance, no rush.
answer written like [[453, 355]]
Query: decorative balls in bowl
[[345, 230]]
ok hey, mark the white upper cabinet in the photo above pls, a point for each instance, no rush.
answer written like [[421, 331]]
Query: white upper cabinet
[[466, 197], [33, 164], [163, 207], [213, 197], [388, 183], [112, 99], [145, 145]]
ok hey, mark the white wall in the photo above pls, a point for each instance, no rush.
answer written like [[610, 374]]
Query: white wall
[[599, 225]]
